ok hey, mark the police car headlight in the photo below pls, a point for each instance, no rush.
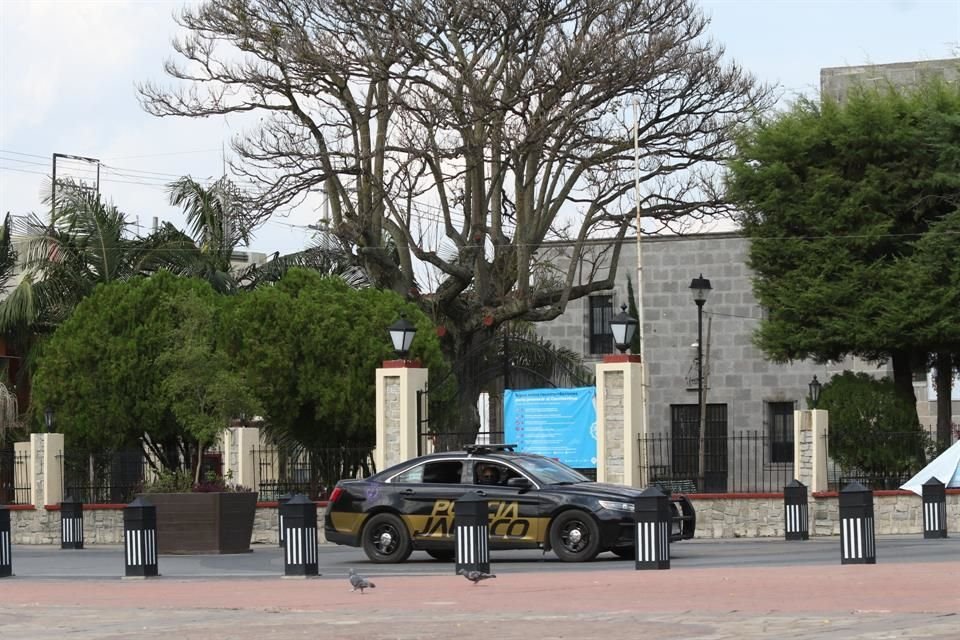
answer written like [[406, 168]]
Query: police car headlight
[[616, 506]]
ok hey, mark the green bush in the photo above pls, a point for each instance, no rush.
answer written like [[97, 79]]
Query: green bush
[[873, 428]]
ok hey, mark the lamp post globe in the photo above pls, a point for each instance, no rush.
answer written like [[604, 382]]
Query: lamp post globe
[[814, 387], [48, 419], [623, 326], [401, 334]]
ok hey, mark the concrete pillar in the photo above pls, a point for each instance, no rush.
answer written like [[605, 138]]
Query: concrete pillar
[[619, 420], [238, 446], [45, 453], [810, 429], [397, 384]]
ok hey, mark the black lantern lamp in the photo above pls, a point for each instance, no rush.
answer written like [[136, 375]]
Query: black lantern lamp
[[48, 418], [401, 334], [701, 289], [814, 392], [623, 326]]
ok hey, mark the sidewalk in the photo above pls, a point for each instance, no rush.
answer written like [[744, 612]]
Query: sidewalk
[[907, 600]]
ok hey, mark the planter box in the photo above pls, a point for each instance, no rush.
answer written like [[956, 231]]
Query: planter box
[[204, 522]]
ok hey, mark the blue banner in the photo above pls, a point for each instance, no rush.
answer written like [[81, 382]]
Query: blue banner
[[557, 423]]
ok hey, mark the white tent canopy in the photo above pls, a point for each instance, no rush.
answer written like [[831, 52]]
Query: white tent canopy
[[945, 468]]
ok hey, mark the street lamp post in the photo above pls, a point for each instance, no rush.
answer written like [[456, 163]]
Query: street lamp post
[[48, 419], [701, 289]]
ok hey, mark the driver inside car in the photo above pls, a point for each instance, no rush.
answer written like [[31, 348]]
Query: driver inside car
[[488, 474]]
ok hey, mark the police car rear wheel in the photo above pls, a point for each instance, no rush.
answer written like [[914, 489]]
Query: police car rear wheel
[[386, 540], [575, 537]]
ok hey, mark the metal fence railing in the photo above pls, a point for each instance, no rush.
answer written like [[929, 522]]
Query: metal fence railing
[[14, 477], [741, 462], [880, 460], [109, 477], [279, 471]]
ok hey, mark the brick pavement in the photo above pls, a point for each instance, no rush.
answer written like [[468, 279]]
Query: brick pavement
[[918, 600]]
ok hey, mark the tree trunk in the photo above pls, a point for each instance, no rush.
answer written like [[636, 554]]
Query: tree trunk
[[903, 373], [944, 384]]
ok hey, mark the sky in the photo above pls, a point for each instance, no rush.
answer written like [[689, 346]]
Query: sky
[[69, 70]]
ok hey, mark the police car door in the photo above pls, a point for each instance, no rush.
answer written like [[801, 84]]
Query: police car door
[[514, 511], [428, 492]]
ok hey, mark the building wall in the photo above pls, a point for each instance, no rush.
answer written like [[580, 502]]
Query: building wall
[[836, 82], [737, 373]]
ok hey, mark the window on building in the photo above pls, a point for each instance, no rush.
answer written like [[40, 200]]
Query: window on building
[[780, 416], [601, 312]]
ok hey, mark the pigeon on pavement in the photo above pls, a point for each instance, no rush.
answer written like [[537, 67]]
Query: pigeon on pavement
[[358, 581], [476, 576]]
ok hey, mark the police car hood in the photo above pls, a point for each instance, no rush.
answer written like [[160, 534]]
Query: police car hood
[[597, 490]]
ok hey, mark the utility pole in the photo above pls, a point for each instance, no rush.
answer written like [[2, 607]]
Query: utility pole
[[644, 379]]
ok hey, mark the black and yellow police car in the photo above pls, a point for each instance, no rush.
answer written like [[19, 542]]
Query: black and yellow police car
[[534, 501]]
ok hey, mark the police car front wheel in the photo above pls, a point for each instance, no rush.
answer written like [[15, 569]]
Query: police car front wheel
[[575, 536]]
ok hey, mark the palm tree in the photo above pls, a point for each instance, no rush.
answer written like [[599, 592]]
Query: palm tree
[[218, 224]]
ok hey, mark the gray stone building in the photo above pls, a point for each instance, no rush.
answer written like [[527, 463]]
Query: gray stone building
[[835, 82], [749, 399]]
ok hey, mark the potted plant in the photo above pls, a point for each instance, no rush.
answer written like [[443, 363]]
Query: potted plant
[[210, 516]]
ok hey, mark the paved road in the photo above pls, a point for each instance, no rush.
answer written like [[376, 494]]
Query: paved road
[[106, 561], [743, 589]]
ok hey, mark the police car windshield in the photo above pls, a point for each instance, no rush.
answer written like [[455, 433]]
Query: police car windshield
[[550, 471]]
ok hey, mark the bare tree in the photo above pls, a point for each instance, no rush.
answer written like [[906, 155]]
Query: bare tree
[[465, 134]]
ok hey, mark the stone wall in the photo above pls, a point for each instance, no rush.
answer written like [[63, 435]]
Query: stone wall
[[104, 525], [896, 512]]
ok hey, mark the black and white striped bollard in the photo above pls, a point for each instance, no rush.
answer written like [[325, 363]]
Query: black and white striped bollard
[[857, 532], [299, 537], [651, 512], [471, 532], [140, 539], [934, 509], [6, 544], [282, 500], [71, 524], [796, 511]]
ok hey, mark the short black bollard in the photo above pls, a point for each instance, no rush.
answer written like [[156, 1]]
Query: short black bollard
[[6, 544], [299, 537], [796, 511], [934, 509], [857, 533], [282, 500], [651, 512], [71, 524], [140, 539], [471, 531]]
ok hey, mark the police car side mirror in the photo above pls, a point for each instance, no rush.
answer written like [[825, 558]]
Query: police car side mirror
[[519, 483]]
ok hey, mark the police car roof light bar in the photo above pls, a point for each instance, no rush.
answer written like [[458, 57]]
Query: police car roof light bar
[[487, 448]]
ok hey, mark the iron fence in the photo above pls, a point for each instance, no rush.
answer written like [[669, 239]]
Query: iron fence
[[110, 477], [880, 460], [279, 471], [740, 462], [14, 477]]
